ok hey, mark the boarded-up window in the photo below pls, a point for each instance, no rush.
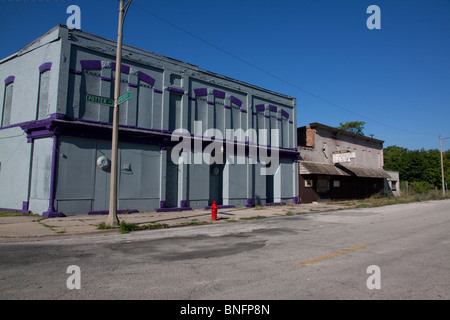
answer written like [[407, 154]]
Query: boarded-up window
[[43, 95], [7, 102]]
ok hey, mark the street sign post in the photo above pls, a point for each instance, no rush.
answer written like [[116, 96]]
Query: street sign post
[[102, 100]]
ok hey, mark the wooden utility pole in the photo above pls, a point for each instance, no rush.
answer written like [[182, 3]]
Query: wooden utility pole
[[112, 219], [442, 165]]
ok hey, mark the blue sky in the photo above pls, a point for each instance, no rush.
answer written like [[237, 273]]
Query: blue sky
[[396, 79]]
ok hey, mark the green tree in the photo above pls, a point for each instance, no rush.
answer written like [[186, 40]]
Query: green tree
[[394, 160], [422, 167], [353, 126]]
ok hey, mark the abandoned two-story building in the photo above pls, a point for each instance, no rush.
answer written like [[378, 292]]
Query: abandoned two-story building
[[336, 164], [235, 143]]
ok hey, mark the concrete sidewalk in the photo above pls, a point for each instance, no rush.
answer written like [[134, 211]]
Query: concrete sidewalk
[[34, 227]]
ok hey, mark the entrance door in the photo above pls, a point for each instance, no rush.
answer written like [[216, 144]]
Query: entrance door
[[323, 188], [171, 184], [269, 188], [216, 184]]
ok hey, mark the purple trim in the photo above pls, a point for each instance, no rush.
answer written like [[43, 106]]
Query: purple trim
[[157, 91], [101, 212], [105, 79], [284, 114], [175, 90], [273, 108], [266, 116], [146, 78], [290, 121], [219, 93], [39, 134], [123, 68], [201, 92], [295, 200], [75, 127], [260, 107], [236, 101], [75, 71], [51, 212], [183, 203], [249, 203], [210, 103], [275, 204], [91, 64], [162, 207], [45, 66], [9, 80], [133, 85], [57, 116], [192, 98], [279, 119], [227, 107], [243, 110], [173, 209]]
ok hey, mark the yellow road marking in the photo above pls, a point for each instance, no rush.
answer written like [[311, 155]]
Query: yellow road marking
[[331, 255]]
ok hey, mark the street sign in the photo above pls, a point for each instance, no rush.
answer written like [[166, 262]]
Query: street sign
[[101, 100], [107, 101], [124, 98]]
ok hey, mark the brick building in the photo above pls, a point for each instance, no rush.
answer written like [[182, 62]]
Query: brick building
[[337, 164]]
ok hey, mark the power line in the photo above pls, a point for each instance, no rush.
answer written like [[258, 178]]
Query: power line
[[275, 76]]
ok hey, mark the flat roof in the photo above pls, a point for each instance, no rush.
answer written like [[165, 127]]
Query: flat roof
[[337, 130]]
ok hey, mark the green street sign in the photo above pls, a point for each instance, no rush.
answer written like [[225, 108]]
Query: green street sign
[[124, 98], [101, 100]]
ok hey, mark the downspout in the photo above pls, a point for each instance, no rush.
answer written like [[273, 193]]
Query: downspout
[[51, 212]]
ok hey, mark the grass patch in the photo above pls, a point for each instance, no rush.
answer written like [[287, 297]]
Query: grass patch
[[4, 213], [7, 213], [127, 227], [103, 226], [195, 222], [290, 213], [379, 201], [252, 218]]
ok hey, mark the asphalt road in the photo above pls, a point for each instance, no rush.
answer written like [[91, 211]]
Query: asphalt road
[[392, 252]]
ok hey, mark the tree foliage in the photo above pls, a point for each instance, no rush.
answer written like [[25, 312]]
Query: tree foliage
[[422, 166], [353, 126]]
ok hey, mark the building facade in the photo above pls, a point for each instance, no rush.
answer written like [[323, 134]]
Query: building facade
[[187, 136], [336, 164]]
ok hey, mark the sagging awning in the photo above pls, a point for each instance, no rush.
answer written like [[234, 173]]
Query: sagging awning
[[306, 167]]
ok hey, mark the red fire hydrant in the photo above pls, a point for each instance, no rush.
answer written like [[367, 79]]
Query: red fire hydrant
[[214, 211]]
